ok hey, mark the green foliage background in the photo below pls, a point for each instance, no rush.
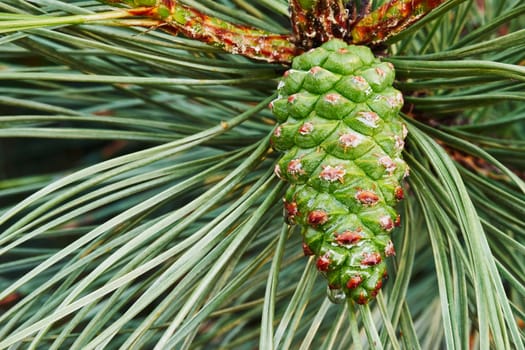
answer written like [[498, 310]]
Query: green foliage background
[[138, 208]]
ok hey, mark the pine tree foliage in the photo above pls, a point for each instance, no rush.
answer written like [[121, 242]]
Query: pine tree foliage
[[139, 209]]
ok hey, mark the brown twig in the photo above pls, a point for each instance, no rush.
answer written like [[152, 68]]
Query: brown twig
[[235, 38], [389, 19]]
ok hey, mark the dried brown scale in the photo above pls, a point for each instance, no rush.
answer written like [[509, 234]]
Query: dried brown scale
[[291, 211], [362, 300], [399, 193], [367, 197], [348, 237], [323, 263], [378, 286], [386, 223], [354, 282], [371, 259], [306, 250], [397, 222], [317, 217], [389, 249]]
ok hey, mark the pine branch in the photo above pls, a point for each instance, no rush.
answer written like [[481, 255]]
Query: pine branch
[[313, 22]]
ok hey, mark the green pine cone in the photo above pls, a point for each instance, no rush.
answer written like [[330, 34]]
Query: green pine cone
[[342, 136]]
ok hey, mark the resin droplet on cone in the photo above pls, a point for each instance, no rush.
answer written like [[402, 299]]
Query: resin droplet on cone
[[342, 138]]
